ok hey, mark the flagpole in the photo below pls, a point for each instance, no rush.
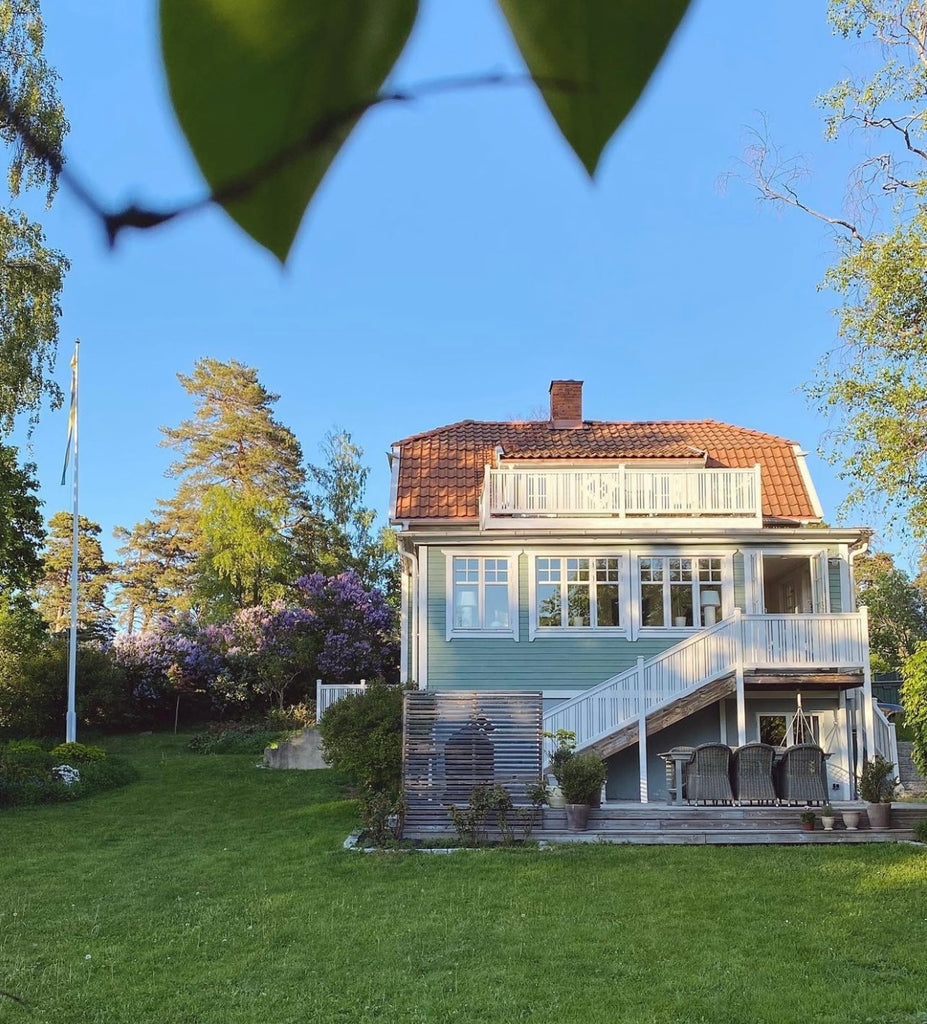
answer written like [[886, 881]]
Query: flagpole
[[71, 719]]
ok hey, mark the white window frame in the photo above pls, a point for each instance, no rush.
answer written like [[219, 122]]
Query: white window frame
[[814, 717], [727, 587], [453, 632], [623, 581]]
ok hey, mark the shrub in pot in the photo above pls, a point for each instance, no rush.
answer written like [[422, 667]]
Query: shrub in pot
[[828, 818], [876, 787], [581, 779], [807, 820]]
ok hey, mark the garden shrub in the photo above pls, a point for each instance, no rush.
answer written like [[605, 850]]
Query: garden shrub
[[362, 738], [77, 753], [31, 775], [920, 831], [234, 738], [296, 716]]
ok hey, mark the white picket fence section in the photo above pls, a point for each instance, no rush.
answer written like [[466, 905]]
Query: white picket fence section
[[885, 739], [838, 640], [327, 694]]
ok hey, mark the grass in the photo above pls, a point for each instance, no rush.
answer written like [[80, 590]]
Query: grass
[[212, 892]]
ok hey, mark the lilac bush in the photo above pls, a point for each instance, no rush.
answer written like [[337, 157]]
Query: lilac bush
[[339, 632], [355, 628]]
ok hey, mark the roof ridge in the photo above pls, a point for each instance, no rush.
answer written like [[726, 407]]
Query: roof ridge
[[757, 435]]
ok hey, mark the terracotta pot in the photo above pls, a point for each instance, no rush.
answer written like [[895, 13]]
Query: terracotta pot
[[808, 826], [879, 815], [577, 817]]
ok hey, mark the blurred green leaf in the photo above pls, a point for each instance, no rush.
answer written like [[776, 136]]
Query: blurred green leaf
[[266, 92], [591, 59]]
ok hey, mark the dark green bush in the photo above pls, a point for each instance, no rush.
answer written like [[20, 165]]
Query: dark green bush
[[110, 773], [31, 775], [362, 737], [234, 738]]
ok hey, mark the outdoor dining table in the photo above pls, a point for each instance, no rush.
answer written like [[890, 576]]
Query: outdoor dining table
[[676, 760]]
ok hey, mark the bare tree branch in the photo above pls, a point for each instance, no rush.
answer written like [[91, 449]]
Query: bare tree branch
[[317, 136]]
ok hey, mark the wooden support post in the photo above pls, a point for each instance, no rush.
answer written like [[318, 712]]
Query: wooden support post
[[739, 671], [867, 718], [642, 729]]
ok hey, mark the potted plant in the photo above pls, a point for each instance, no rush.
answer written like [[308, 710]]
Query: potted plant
[[828, 818], [563, 752], [877, 787], [850, 820], [807, 820], [581, 779]]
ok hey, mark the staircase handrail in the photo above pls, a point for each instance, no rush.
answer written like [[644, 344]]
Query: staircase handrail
[[582, 708]]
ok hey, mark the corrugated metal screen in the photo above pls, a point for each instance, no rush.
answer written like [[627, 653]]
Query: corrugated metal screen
[[455, 740]]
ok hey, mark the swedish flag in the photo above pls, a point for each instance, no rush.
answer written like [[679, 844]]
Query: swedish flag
[[72, 415]]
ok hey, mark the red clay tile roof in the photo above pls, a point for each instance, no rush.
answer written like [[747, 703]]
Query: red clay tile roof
[[441, 471]]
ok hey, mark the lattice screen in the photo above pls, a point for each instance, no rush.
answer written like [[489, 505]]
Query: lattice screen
[[455, 740]]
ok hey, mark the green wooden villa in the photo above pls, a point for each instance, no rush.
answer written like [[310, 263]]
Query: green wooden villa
[[662, 584]]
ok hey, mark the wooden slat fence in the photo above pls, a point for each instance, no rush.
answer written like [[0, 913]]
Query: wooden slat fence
[[455, 740]]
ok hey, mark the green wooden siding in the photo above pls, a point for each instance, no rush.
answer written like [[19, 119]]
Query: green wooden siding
[[547, 663], [836, 602], [740, 588]]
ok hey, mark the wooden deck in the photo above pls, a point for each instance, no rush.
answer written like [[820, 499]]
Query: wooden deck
[[659, 824], [656, 824]]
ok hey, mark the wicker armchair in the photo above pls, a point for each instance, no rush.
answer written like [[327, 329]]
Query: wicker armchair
[[709, 774], [802, 775], [752, 773]]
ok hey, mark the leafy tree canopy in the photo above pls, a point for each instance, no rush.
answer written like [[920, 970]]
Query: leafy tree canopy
[[21, 526], [31, 274], [872, 387], [897, 611]]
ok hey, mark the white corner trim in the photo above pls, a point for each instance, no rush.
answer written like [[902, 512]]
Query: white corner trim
[[423, 621], [800, 459]]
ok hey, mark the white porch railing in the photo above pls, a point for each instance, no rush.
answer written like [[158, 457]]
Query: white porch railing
[[884, 739], [623, 492], [327, 694], [743, 641]]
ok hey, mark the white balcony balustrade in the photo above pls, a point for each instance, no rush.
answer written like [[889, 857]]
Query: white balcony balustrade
[[728, 495]]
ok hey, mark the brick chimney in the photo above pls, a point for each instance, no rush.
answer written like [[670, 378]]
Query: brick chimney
[[566, 404]]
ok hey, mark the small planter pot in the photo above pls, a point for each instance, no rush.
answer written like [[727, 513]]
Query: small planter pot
[[828, 823], [879, 815], [807, 826], [577, 817], [851, 820]]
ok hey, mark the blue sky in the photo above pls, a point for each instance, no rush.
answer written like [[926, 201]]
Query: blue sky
[[456, 258]]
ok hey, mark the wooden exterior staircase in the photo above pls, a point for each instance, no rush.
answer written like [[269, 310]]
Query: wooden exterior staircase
[[711, 665]]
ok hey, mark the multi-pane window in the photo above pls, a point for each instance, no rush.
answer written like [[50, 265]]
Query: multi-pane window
[[580, 592], [679, 591], [481, 593]]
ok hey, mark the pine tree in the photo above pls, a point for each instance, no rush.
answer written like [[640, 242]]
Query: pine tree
[[239, 507], [53, 592]]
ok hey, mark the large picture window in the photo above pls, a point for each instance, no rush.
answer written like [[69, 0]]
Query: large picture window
[[578, 592], [481, 595], [680, 592]]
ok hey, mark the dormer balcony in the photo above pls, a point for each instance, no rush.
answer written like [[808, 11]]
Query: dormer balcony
[[719, 498]]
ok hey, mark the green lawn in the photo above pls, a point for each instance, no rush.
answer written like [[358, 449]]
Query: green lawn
[[212, 891]]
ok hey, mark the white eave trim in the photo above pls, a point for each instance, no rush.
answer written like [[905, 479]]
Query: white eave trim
[[800, 459], [394, 456]]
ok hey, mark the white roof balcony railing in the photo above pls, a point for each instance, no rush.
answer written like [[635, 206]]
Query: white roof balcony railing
[[623, 492]]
